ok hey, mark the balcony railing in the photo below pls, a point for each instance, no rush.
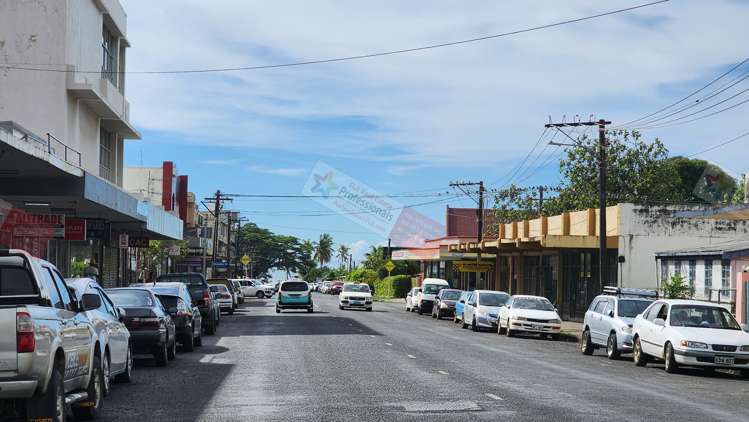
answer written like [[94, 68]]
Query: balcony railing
[[60, 150]]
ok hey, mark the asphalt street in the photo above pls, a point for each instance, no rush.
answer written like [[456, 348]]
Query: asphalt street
[[392, 365]]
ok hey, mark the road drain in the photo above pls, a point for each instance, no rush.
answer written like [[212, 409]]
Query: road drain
[[448, 406]]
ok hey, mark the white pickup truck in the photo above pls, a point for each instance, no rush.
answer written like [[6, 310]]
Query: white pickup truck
[[48, 358]]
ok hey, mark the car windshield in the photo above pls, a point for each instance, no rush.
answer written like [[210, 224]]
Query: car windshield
[[130, 298], [168, 301], [357, 288], [630, 308], [493, 299], [699, 316], [190, 280], [219, 288], [432, 289], [532, 303], [451, 294], [294, 286]]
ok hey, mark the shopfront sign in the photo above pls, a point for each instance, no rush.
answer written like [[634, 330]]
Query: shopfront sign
[[96, 229], [23, 224], [473, 266], [138, 242], [75, 229], [124, 241], [221, 263]]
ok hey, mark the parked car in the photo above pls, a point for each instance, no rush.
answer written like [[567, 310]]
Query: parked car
[[690, 333], [429, 289], [256, 288], [460, 306], [294, 294], [481, 310], [237, 286], [529, 314], [411, 298], [152, 330], [110, 332], [444, 303], [354, 295], [608, 321], [335, 288], [185, 313], [48, 353], [201, 295], [225, 298], [230, 287]]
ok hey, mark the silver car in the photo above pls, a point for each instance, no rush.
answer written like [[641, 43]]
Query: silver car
[[608, 321]]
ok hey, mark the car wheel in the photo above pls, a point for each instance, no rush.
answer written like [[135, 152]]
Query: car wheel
[[474, 327], [554, 337], [586, 346], [340, 306], [668, 355], [91, 408], [106, 376], [211, 329], [500, 330], [745, 374], [188, 345], [161, 355], [260, 295], [638, 355], [125, 376], [199, 340], [369, 309], [612, 348], [172, 351], [50, 406], [278, 311], [231, 311]]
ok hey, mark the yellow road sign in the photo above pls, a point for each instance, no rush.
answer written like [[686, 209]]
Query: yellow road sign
[[246, 260], [389, 266]]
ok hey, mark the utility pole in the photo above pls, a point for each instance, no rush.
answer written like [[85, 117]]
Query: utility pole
[[480, 228], [217, 202], [602, 145], [541, 201], [350, 262]]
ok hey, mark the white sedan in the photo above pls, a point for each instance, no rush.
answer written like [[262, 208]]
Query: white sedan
[[355, 296], [255, 288], [530, 314], [690, 333]]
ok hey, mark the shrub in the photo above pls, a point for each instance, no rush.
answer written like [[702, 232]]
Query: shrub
[[363, 275], [394, 286], [676, 288]]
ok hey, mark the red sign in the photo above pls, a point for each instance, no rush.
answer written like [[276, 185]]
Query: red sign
[[75, 229]]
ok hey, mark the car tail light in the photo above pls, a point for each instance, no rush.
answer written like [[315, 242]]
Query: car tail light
[[225, 296], [144, 323], [25, 341], [205, 302]]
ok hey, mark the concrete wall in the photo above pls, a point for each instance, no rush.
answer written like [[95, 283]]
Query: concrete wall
[[645, 230], [144, 183]]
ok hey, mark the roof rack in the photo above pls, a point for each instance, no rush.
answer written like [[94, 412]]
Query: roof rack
[[627, 291]]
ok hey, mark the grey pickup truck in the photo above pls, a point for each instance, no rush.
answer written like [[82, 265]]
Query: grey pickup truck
[[49, 362]]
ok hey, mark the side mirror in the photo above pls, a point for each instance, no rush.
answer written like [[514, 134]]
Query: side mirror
[[90, 301], [122, 314], [611, 313], [660, 322], [462, 301]]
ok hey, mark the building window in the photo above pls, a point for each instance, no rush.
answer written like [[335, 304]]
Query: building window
[[664, 270], [708, 278], [108, 70], [677, 267], [106, 146], [692, 269], [725, 280]]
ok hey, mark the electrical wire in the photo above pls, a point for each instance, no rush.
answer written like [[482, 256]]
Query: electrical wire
[[723, 110], [335, 213], [348, 58], [722, 144]]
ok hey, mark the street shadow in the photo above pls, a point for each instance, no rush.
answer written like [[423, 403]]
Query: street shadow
[[298, 325]]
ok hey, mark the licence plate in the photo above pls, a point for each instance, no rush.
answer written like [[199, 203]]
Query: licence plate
[[536, 327], [724, 360]]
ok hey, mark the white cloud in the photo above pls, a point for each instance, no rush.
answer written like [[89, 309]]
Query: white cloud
[[474, 104], [219, 162], [358, 249], [278, 171]]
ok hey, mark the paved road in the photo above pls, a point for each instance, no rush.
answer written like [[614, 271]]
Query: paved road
[[391, 365]]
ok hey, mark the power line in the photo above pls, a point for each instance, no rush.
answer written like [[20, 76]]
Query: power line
[[260, 195], [513, 173], [334, 213], [722, 144], [347, 58], [723, 110], [684, 98]]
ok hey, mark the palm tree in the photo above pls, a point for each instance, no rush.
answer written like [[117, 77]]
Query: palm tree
[[324, 249], [343, 252]]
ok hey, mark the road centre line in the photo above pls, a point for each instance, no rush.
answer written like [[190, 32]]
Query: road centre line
[[412, 356], [493, 396]]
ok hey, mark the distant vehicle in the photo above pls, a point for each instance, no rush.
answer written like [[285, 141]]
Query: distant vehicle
[[201, 295], [460, 306], [608, 321], [482, 309], [429, 289], [294, 294], [325, 286], [355, 295], [48, 353], [335, 288], [237, 287], [110, 332], [230, 288], [256, 288], [225, 298], [690, 333], [152, 330], [411, 299], [185, 313], [530, 314], [444, 303]]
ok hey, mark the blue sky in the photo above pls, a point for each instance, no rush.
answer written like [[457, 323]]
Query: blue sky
[[409, 122]]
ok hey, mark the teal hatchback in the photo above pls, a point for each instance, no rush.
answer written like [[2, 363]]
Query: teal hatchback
[[294, 294]]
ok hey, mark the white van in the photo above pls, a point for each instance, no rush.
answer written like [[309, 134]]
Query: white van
[[429, 289]]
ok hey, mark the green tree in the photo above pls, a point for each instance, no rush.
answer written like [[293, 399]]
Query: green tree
[[690, 172], [343, 254], [324, 249], [739, 195], [677, 287]]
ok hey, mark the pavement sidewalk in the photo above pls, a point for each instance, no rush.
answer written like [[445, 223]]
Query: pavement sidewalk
[[571, 330]]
